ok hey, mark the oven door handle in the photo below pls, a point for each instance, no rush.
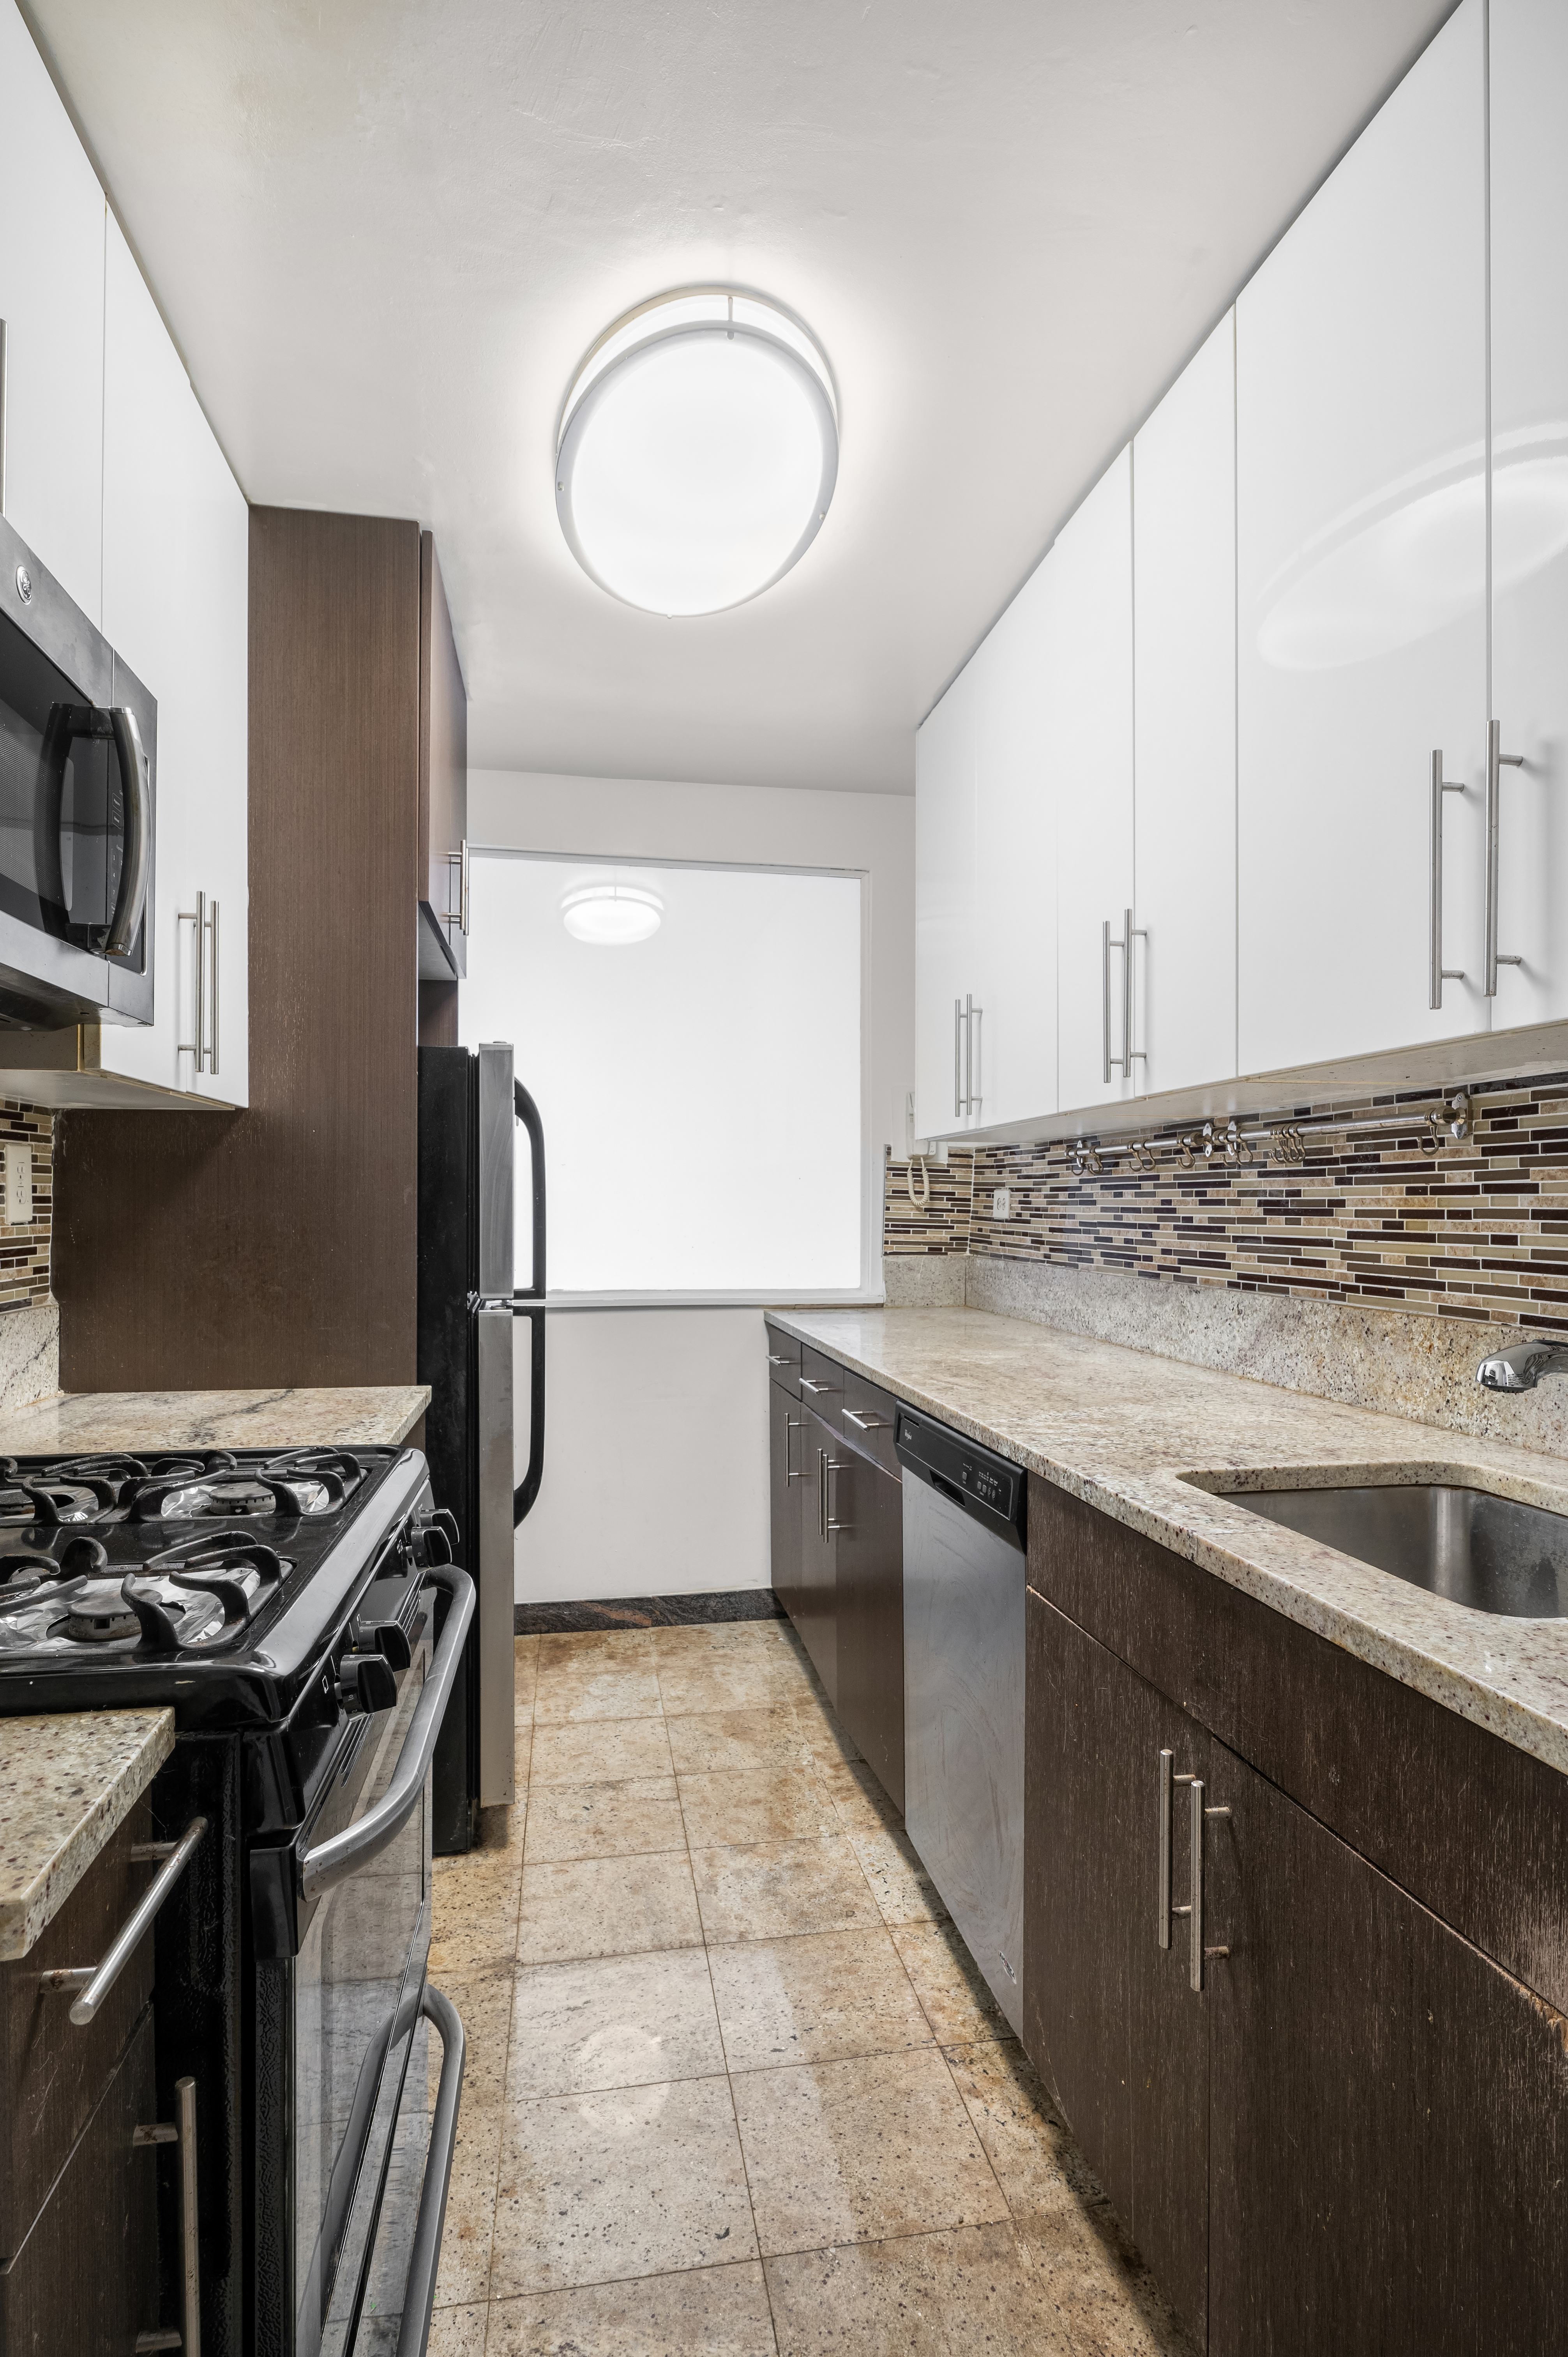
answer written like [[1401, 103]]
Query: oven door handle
[[136, 778], [342, 1854], [419, 2291]]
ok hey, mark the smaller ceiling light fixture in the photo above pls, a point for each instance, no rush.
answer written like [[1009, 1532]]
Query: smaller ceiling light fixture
[[612, 915], [698, 452]]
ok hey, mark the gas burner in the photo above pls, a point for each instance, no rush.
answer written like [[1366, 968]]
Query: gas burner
[[27, 1502], [99, 1615], [213, 1500], [298, 1481]]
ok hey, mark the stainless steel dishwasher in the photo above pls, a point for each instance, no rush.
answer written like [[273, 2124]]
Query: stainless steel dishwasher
[[964, 1689]]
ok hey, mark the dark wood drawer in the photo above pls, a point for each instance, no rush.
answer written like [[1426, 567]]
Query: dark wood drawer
[[51, 2074], [85, 2283], [1475, 1829], [870, 1416], [822, 1386], [784, 1360]]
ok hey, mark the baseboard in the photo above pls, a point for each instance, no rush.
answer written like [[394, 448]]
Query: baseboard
[[646, 1611]]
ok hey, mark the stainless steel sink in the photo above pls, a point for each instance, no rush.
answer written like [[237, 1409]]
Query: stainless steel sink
[[1491, 1553]]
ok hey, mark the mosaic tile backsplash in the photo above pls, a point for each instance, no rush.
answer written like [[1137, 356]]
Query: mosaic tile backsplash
[[1478, 1230], [25, 1251]]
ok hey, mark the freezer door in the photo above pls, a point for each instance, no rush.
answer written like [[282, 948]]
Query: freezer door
[[493, 1621], [497, 1156]]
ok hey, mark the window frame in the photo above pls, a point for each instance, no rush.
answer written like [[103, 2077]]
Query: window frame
[[869, 1290]]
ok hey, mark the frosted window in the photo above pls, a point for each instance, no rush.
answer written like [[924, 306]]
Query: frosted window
[[700, 1090]]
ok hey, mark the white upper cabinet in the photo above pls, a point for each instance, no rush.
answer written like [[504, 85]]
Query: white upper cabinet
[[946, 974], [1361, 623], [51, 299], [1530, 502], [176, 555], [1183, 603], [1087, 687], [1015, 836]]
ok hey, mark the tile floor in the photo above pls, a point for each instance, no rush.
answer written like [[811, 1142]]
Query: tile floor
[[733, 2086]]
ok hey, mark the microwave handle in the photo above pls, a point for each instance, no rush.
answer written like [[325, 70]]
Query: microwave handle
[[342, 1854], [132, 898]]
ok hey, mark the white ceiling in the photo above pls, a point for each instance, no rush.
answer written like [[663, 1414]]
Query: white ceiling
[[383, 232]]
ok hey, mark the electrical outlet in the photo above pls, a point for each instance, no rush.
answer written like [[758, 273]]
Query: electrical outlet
[[19, 1186], [1001, 1203]]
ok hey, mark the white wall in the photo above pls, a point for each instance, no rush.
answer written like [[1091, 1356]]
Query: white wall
[[656, 1432]]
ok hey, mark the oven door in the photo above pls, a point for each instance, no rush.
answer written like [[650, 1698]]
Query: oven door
[[78, 749], [358, 1980]]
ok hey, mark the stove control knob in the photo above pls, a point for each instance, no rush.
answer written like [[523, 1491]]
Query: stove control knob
[[390, 1643], [367, 1681]]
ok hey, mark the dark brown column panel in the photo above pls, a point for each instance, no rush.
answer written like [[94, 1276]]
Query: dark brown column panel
[[277, 1245], [1474, 1828]]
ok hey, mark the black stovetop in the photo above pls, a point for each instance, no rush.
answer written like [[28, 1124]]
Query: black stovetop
[[215, 1580]]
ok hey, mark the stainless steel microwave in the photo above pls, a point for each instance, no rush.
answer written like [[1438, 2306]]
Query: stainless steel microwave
[[78, 810]]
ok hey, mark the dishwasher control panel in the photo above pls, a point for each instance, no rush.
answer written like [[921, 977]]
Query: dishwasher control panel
[[962, 1471]]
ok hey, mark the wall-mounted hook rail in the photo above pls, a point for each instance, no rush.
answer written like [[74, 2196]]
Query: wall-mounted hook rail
[[1282, 1142]]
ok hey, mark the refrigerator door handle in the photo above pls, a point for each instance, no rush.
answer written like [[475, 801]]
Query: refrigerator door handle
[[494, 1573], [531, 1305]]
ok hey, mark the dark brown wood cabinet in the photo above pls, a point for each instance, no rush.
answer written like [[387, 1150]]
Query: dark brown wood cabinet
[[1353, 2135], [816, 1608], [785, 1481], [444, 897], [870, 1603]]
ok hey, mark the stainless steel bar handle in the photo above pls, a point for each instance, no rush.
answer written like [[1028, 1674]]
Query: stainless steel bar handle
[[1497, 762], [779, 1359], [833, 1464], [822, 1495], [1130, 933], [95, 1981], [957, 1058], [969, 1052], [200, 980], [190, 2219], [1440, 973], [791, 1424], [864, 1422], [815, 1389], [341, 1853], [1194, 1909], [419, 2289], [212, 1045], [463, 892], [1167, 1761]]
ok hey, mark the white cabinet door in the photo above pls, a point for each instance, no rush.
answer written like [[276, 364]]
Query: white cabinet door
[[1016, 938], [1530, 500], [1089, 733], [52, 218], [1183, 603], [944, 906], [174, 604], [1361, 624]]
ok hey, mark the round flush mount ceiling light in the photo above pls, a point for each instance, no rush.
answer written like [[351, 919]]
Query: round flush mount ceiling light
[[698, 452], [612, 916]]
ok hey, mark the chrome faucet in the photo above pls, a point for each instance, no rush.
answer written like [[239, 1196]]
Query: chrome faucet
[[1520, 1367]]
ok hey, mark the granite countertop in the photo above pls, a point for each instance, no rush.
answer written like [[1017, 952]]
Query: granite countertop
[[1127, 1432], [71, 1423], [71, 1781]]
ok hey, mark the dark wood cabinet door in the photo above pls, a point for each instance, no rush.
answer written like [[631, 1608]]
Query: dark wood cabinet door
[[443, 766], [85, 2281], [816, 1612], [1109, 2017], [786, 1482], [1390, 2110], [869, 1596]]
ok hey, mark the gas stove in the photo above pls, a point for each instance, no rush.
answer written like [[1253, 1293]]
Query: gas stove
[[210, 1579]]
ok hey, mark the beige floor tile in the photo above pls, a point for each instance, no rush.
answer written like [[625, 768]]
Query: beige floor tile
[[863, 1806], [607, 1907], [605, 1819], [815, 1999], [458, 2331], [484, 2007], [905, 1891], [720, 1636], [701, 2312], [859, 2150], [464, 2273], [638, 2182], [1037, 2164], [614, 2021], [473, 1922], [756, 1805], [769, 1890], [977, 2288], [711, 1743], [501, 1831], [599, 1751], [728, 1677], [569, 1695], [824, 1739], [948, 1982], [522, 1753], [596, 1649]]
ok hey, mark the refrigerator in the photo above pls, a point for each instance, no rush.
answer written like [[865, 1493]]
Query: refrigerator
[[470, 1103]]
